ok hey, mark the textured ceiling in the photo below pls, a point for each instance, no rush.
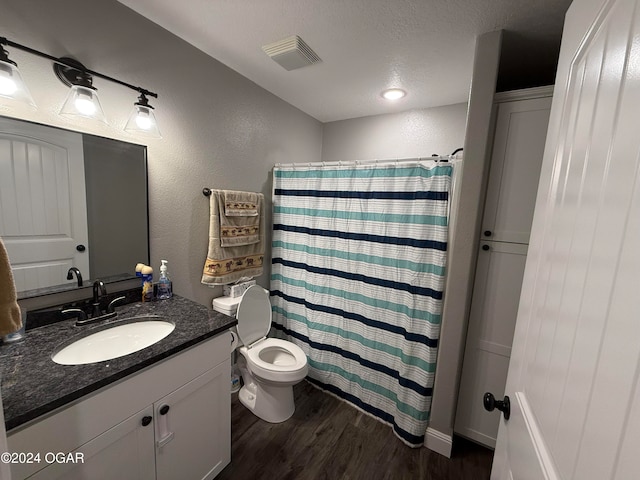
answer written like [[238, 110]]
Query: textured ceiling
[[423, 46]]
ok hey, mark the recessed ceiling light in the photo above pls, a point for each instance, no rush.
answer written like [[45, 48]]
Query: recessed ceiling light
[[393, 93]]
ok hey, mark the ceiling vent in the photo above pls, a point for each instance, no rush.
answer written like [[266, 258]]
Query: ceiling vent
[[291, 53]]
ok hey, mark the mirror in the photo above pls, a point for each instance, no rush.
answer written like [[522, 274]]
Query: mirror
[[70, 199]]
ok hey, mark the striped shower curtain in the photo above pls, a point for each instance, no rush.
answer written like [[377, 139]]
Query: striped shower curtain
[[359, 255]]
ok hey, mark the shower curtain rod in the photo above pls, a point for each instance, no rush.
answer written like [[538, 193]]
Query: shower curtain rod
[[433, 158]]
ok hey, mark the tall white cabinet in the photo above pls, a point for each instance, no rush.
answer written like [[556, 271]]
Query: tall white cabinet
[[521, 120]]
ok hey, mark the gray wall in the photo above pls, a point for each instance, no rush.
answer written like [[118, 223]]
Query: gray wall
[[219, 129], [464, 249], [416, 133]]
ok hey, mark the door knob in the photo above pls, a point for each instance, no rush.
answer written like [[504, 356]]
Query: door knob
[[490, 403]]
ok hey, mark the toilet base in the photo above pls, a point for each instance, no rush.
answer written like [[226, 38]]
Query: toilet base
[[272, 403]]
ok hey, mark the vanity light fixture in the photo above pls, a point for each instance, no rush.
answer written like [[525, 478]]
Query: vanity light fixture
[[82, 100], [11, 84], [393, 94], [142, 119]]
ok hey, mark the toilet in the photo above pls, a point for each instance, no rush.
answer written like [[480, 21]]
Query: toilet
[[273, 366]]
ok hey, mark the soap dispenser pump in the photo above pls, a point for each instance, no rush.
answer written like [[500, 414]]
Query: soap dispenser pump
[[164, 283]]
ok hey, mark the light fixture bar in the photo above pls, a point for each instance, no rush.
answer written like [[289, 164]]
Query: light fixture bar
[[10, 43]]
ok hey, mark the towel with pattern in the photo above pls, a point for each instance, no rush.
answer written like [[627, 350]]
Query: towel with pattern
[[239, 214], [241, 204], [227, 264]]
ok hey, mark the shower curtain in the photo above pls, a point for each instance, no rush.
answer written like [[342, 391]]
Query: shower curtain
[[358, 267]]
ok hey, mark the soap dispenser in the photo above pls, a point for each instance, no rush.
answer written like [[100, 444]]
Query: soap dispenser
[[164, 283]]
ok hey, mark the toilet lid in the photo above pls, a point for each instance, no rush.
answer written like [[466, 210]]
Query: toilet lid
[[254, 315]]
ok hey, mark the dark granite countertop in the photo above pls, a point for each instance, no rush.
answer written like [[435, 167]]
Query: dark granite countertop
[[33, 384]]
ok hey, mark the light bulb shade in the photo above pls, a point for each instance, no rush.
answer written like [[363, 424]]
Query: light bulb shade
[[83, 102], [142, 121], [12, 86]]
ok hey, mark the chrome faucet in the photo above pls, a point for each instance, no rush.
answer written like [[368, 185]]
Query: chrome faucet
[[70, 273], [98, 290]]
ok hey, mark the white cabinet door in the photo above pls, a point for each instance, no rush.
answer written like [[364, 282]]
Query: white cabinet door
[[124, 451], [521, 129], [193, 427], [492, 320]]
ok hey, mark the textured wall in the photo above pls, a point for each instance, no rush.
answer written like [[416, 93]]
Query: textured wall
[[219, 129], [416, 133]]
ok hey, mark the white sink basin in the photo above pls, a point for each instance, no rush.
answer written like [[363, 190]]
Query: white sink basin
[[117, 341]]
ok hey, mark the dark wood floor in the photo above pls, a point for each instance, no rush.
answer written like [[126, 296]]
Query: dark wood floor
[[328, 439]]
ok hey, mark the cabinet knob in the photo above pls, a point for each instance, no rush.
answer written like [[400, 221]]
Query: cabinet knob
[[146, 420], [164, 409], [81, 248], [486, 248], [488, 233]]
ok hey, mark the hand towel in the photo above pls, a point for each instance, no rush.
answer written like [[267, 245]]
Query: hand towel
[[241, 204], [238, 224], [228, 264], [10, 318]]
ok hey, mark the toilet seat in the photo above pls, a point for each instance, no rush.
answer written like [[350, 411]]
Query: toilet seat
[[254, 315], [276, 360], [271, 359]]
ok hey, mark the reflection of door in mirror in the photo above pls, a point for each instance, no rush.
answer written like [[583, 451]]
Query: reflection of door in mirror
[[43, 213]]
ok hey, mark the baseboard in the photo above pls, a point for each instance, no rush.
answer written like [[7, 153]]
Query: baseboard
[[438, 442], [477, 437]]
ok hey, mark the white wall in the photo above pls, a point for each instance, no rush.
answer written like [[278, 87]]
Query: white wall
[[219, 129], [416, 133]]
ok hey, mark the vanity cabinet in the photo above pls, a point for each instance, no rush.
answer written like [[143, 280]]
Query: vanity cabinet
[[170, 421]]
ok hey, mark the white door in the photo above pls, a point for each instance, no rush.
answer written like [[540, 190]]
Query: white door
[[43, 210], [574, 373]]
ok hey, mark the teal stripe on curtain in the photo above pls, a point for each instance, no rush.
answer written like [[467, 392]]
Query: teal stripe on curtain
[[366, 309]]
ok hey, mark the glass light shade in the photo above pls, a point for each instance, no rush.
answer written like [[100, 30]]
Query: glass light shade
[[83, 102], [142, 121], [12, 86]]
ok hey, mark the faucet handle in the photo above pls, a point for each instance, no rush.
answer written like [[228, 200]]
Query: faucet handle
[[74, 312], [115, 302]]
